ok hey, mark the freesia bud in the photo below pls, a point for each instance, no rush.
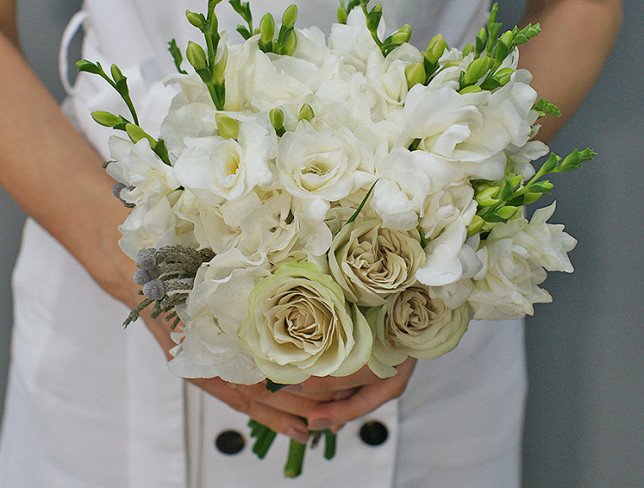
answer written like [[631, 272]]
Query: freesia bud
[[402, 35], [136, 134], [227, 126], [220, 68], [415, 74], [486, 196], [470, 89], [503, 76], [267, 28], [469, 48], [507, 212], [342, 15], [196, 19], [477, 69], [435, 48], [276, 116], [306, 113], [290, 16], [196, 55], [475, 226], [88, 66], [117, 74], [516, 182], [106, 119], [290, 45], [531, 197], [507, 37]]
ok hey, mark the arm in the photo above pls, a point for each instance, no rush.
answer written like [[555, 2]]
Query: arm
[[48, 168], [569, 54]]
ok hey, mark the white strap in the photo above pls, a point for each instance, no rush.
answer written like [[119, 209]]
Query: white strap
[[70, 31]]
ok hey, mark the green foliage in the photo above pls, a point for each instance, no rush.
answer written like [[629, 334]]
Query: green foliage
[[177, 57]]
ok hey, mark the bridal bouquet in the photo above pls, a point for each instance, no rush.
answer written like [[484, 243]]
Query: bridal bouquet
[[316, 205]]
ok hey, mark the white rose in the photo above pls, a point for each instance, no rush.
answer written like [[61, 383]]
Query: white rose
[[370, 262], [299, 325], [413, 324], [214, 167], [515, 255], [322, 167]]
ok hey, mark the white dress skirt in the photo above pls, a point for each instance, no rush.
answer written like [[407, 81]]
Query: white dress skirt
[[92, 406]]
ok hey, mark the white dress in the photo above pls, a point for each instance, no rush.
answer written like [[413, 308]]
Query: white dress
[[92, 406]]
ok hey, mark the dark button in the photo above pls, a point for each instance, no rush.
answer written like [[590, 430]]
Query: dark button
[[230, 442], [374, 433]]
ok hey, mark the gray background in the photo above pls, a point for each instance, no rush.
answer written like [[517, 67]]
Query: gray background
[[583, 420]]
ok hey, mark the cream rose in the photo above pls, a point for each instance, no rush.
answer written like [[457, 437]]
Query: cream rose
[[370, 262], [413, 324], [300, 325]]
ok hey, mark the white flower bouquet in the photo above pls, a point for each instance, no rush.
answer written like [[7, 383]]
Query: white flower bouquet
[[314, 205]]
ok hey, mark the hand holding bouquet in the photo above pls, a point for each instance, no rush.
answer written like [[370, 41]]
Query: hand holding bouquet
[[314, 206]]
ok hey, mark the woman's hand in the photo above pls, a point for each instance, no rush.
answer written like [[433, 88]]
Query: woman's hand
[[347, 398]]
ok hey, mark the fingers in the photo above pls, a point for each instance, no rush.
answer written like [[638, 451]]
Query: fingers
[[324, 389], [368, 398], [279, 414]]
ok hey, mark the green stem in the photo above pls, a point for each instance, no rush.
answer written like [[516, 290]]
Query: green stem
[[295, 459], [329, 444]]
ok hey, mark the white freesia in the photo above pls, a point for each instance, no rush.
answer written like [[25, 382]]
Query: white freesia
[[214, 167], [142, 172], [189, 121], [400, 193], [456, 128], [515, 255], [353, 41], [216, 306], [447, 214], [320, 167]]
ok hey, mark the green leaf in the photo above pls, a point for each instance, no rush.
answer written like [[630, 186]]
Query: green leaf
[[362, 204], [243, 31], [177, 57], [547, 107], [544, 186]]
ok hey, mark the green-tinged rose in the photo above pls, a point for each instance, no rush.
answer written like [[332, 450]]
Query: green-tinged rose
[[413, 324], [370, 262], [300, 325]]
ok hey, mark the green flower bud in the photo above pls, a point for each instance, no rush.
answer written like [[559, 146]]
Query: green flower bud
[[136, 134], [227, 127], [267, 28], [342, 15], [88, 66], [470, 89], [516, 182], [486, 196], [477, 69], [475, 226], [220, 68], [196, 19], [276, 117], [290, 16], [306, 113], [507, 37], [415, 74], [503, 76], [469, 48], [531, 197], [435, 48], [117, 74], [290, 44], [196, 55], [402, 35], [507, 212], [106, 119]]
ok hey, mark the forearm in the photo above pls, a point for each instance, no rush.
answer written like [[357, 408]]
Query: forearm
[[56, 177], [568, 56]]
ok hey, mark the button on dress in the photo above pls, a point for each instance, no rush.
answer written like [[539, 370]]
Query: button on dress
[[91, 406]]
